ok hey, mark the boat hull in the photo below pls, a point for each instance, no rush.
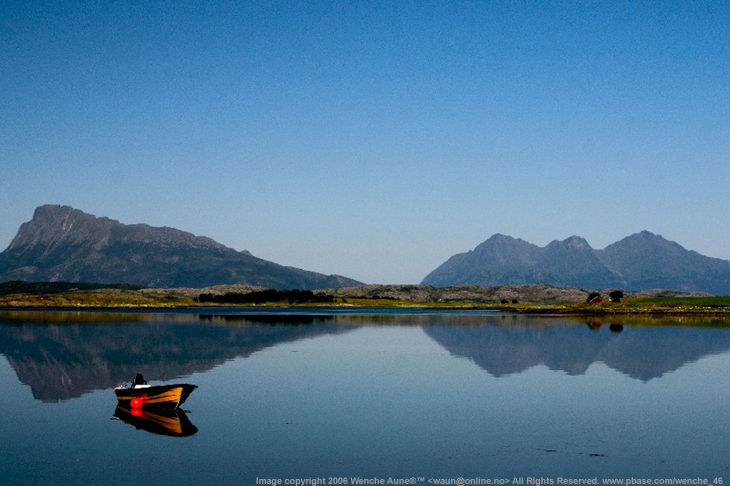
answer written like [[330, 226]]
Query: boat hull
[[160, 396]]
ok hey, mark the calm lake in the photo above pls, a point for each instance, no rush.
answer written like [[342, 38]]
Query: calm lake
[[380, 395]]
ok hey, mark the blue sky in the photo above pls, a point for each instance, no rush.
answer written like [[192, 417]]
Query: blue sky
[[371, 139]]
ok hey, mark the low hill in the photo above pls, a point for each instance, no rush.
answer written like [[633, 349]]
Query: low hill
[[474, 294]]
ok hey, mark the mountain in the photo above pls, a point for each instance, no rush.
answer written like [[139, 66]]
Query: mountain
[[638, 262], [64, 244], [648, 261]]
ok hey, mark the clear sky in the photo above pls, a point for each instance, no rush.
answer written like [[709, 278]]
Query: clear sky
[[371, 139]]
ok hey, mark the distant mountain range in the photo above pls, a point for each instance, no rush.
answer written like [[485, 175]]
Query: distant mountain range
[[61, 243], [638, 262]]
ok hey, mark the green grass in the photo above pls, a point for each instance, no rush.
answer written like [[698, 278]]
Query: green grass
[[656, 305], [714, 301], [118, 298], [103, 298]]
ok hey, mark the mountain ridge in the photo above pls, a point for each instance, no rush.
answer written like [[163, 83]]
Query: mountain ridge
[[61, 243], [637, 262]]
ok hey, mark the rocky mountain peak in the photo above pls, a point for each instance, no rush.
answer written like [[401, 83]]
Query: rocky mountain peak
[[577, 243], [645, 242], [52, 224], [638, 262], [61, 243], [644, 236], [500, 241]]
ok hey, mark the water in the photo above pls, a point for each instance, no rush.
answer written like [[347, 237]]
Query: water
[[319, 394]]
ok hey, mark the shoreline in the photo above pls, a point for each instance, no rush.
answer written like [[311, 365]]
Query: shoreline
[[273, 308], [524, 299]]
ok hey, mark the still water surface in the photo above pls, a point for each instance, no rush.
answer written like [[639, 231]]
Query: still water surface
[[369, 394]]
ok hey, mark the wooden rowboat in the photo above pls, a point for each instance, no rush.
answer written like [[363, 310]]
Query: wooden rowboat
[[139, 394]]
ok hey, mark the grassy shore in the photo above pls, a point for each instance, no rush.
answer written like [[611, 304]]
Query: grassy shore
[[184, 298], [104, 298]]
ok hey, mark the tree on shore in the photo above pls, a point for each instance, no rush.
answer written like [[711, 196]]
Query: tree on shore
[[616, 296]]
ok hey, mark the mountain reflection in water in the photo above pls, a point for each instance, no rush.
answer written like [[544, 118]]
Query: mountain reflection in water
[[64, 360], [640, 352], [64, 355]]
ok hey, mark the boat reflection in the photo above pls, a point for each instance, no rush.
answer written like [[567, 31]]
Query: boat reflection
[[172, 422]]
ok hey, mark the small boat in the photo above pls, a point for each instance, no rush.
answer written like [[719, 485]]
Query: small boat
[[139, 394], [164, 421]]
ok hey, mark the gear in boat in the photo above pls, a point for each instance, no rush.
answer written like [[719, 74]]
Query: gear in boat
[[141, 395]]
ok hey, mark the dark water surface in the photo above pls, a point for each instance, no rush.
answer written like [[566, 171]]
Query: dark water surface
[[319, 394]]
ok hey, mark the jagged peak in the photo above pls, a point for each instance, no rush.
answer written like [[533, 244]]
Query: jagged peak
[[55, 212], [53, 223], [502, 238], [500, 241], [50, 223], [572, 241], [645, 237], [54, 209], [577, 242]]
